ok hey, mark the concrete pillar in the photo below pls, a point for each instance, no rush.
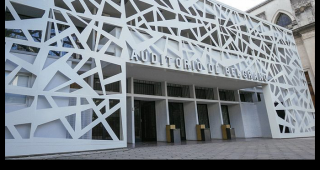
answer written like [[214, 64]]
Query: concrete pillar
[[237, 95], [191, 120], [263, 118], [272, 114], [162, 118], [192, 89], [255, 97], [216, 94], [236, 120], [130, 120], [130, 85], [164, 89], [215, 120]]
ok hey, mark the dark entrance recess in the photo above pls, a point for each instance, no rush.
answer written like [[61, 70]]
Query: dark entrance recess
[[176, 115], [225, 115], [203, 115], [145, 121]]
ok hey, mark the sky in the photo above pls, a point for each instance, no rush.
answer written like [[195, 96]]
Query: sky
[[241, 4]]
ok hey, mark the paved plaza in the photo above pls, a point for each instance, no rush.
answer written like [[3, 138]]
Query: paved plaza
[[246, 149]]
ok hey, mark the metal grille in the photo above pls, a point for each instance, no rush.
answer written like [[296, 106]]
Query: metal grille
[[147, 87], [246, 97], [227, 95], [175, 90], [113, 87], [204, 93]]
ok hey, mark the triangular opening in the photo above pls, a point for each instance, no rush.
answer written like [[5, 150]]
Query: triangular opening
[[11, 65], [113, 12], [23, 80], [50, 61], [15, 33], [110, 29], [143, 6], [67, 43], [130, 10], [77, 41], [114, 121], [114, 87], [65, 101], [182, 8], [92, 6], [168, 3], [7, 133], [36, 35], [103, 110], [78, 6], [102, 42], [62, 27], [144, 26], [57, 80], [87, 117], [43, 103], [61, 4], [27, 58], [24, 130], [59, 16], [113, 103], [72, 121], [160, 3], [89, 41], [99, 132], [84, 101], [55, 44], [45, 130], [80, 24], [8, 15], [84, 68], [97, 102], [97, 82], [114, 50], [75, 86]]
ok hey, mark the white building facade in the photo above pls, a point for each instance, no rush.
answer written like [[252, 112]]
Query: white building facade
[[86, 75]]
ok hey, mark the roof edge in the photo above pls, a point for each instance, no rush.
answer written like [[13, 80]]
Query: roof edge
[[259, 5]]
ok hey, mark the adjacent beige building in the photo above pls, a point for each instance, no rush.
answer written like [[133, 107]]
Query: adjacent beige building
[[298, 16]]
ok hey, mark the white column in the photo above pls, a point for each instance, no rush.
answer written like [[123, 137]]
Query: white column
[[215, 120], [191, 120], [162, 118], [130, 120], [130, 85], [237, 95], [216, 94], [272, 114], [236, 120]]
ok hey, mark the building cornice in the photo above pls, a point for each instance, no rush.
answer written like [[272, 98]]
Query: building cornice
[[259, 5], [300, 30]]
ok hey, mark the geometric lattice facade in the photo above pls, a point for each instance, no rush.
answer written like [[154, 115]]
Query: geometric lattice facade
[[75, 52]]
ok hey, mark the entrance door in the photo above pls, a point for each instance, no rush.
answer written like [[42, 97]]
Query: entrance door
[[203, 115], [145, 121], [225, 115], [176, 115]]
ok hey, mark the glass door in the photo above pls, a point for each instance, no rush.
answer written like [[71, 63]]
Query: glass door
[[145, 121], [203, 115], [176, 115], [225, 115]]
